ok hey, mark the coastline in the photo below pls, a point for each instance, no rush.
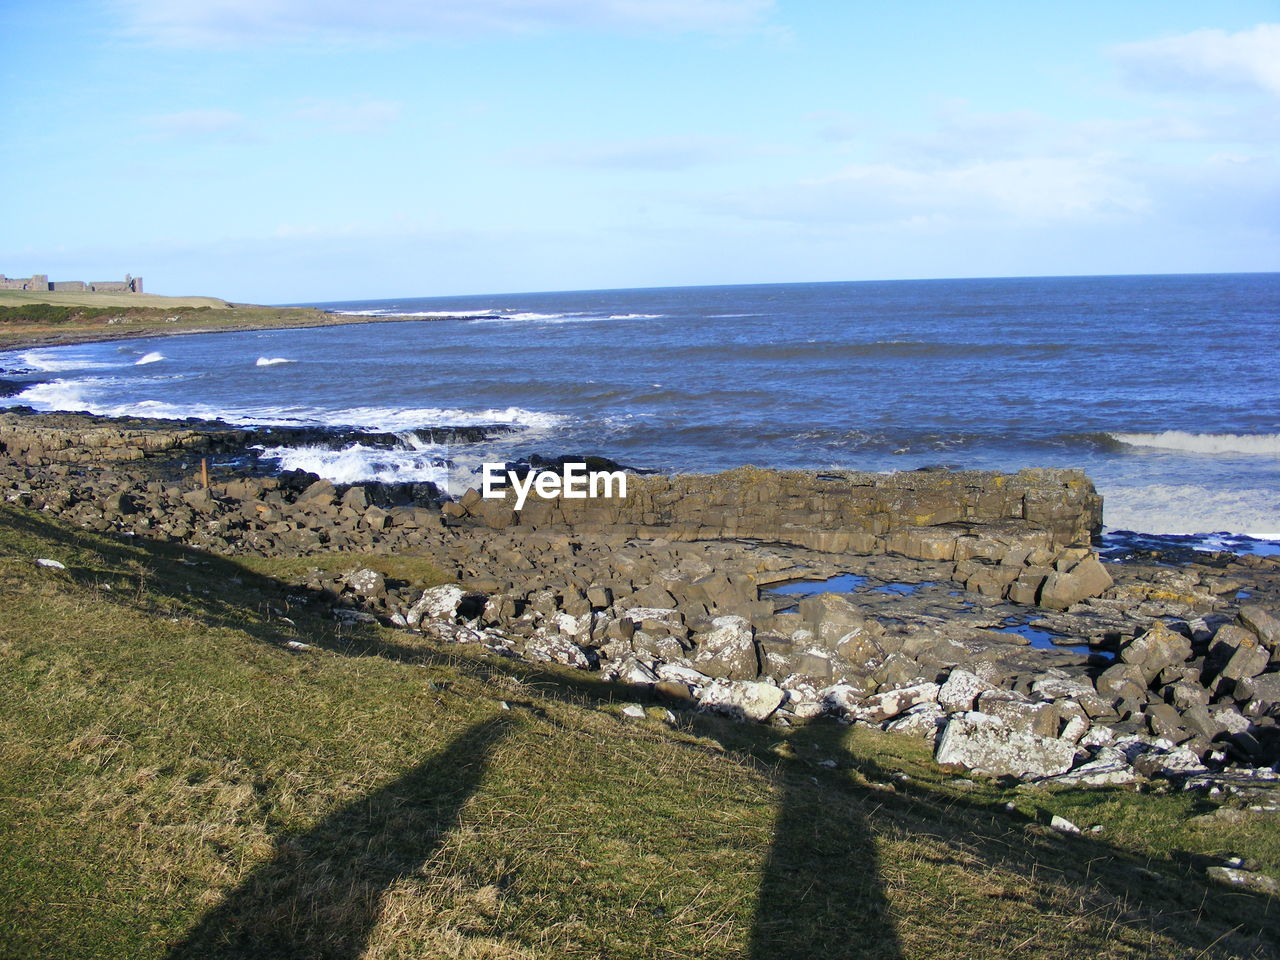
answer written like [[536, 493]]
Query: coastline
[[238, 318]]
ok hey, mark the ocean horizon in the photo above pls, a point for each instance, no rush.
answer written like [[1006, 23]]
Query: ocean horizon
[[1161, 387]]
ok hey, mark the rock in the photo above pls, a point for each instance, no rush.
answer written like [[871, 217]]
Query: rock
[[1248, 660], [1088, 578], [742, 698], [1262, 623], [1062, 825], [1173, 764], [1244, 879], [924, 720], [50, 564], [1108, 768], [1157, 648], [727, 650], [890, 703], [632, 711], [961, 690], [437, 603], [990, 746], [1261, 692], [554, 648], [1023, 716], [1122, 681], [366, 582]]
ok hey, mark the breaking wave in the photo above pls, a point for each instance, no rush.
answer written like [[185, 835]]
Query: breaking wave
[[358, 462], [154, 356], [1192, 509], [1258, 444], [272, 361]]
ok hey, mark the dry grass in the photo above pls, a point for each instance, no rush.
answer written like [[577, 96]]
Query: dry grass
[[67, 298], [175, 782]]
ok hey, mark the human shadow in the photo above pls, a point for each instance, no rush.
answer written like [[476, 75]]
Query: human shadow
[[821, 893], [320, 896]]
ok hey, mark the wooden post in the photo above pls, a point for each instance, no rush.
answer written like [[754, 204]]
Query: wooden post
[[204, 472]]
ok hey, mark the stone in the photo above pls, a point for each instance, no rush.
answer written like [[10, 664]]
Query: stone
[[1121, 681], [366, 582], [961, 690], [1088, 578], [1018, 713], [1244, 879], [1108, 768], [727, 650], [1263, 623], [1062, 825], [989, 746], [741, 698], [1155, 649], [890, 703], [1248, 660], [922, 721], [436, 603]]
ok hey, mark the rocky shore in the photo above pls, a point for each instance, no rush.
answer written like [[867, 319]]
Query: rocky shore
[[972, 611]]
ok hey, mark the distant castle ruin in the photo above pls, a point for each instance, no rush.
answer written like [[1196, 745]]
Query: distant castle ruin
[[40, 281]]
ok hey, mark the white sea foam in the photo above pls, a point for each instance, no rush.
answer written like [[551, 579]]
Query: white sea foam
[[416, 313], [80, 395], [1260, 444], [272, 361], [153, 357], [358, 462], [55, 361], [1192, 509]]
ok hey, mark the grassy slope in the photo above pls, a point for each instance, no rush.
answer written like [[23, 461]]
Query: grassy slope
[[174, 781], [66, 298]]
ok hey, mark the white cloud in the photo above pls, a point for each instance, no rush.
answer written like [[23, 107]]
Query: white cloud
[[200, 22], [1250, 58], [212, 124], [656, 153], [369, 116], [1019, 191]]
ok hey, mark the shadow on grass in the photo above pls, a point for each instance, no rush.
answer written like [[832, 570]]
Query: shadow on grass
[[320, 896], [822, 887]]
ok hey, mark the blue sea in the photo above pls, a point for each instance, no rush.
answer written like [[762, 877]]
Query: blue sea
[[1166, 389]]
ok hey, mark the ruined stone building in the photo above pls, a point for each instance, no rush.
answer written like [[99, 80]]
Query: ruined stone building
[[40, 281]]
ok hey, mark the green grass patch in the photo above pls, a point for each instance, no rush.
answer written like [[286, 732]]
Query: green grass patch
[[175, 781]]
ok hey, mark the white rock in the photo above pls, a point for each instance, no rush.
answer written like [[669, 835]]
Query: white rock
[[634, 711], [1063, 825], [551, 647], [746, 698], [437, 603], [1108, 769], [885, 706], [961, 690], [923, 721], [1058, 687], [990, 746], [682, 674], [51, 564]]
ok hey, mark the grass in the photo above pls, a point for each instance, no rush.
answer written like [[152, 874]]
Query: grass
[[176, 782], [67, 298]]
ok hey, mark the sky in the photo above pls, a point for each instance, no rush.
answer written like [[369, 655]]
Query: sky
[[279, 151]]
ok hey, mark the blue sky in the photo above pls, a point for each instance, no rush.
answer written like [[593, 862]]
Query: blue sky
[[297, 150]]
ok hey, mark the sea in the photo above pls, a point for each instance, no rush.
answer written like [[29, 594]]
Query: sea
[[1165, 389]]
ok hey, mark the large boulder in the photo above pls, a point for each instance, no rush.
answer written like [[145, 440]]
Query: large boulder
[[741, 698], [988, 745], [727, 650], [1088, 578], [1157, 648], [437, 603]]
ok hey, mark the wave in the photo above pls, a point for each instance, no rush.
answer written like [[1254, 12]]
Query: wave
[[56, 362], [553, 318], [78, 395], [1257, 444], [437, 314], [1192, 509], [272, 361], [357, 462], [154, 356]]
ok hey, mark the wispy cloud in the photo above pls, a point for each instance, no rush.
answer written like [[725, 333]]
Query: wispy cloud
[[207, 124], [365, 117], [368, 116], [1249, 58], [1026, 190], [217, 22], [656, 153]]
